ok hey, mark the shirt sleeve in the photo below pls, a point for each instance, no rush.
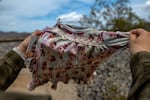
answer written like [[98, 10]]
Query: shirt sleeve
[[20, 53], [140, 69], [10, 66]]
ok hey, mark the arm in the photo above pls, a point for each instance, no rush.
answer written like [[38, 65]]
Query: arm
[[140, 69], [10, 66], [140, 65], [12, 62]]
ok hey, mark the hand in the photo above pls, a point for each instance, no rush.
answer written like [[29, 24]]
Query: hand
[[23, 45], [139, 41]]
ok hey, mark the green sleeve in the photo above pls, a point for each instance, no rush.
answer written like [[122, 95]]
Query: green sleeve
[[140, 69], [10, 66]]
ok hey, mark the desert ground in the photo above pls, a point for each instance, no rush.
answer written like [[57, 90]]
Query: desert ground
[[63, 91]]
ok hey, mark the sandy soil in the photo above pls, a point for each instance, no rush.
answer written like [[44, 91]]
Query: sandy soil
[[63, 91]]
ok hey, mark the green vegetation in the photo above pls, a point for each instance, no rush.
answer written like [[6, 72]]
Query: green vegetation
[[113, 15]]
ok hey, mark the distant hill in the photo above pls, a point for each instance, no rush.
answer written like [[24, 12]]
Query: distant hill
[[12, 36]]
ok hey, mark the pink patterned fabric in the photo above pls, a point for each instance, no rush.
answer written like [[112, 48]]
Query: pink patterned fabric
[[65, 52]]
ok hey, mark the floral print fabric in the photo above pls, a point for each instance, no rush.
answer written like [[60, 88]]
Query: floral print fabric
[[65, 52]]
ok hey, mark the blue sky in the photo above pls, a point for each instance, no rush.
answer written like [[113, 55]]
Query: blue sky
[[29, 15]]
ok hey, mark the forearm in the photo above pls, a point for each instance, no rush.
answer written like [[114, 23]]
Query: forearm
[[10, 66], [140, 69]]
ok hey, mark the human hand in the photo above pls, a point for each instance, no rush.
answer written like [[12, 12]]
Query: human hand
[[22, 47], [139, 41]]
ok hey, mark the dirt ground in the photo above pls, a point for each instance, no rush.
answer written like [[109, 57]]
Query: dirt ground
[[63, 91]]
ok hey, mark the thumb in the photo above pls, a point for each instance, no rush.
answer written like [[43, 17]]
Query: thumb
[[37, 33], [132, 37], [135, 33]]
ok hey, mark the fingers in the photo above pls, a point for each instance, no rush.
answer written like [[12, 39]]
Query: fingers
[[132, 37], [37, 33], [23, 45], [135, 33], [138, 31], [139, 40]]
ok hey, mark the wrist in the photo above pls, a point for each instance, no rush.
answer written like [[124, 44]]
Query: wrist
[[20, 52]]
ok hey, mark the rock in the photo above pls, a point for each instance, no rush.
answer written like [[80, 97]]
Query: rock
[[112, 81]]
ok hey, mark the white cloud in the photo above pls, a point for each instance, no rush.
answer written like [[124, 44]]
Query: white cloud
[[12, 13], [71, 17], [22, 26], [147, 8], [18, 15], [32, 7], [147, 3], [140, 7]]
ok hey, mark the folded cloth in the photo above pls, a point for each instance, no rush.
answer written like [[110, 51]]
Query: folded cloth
[[65, 52]]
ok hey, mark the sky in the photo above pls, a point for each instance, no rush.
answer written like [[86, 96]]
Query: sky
[[29, 15]]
